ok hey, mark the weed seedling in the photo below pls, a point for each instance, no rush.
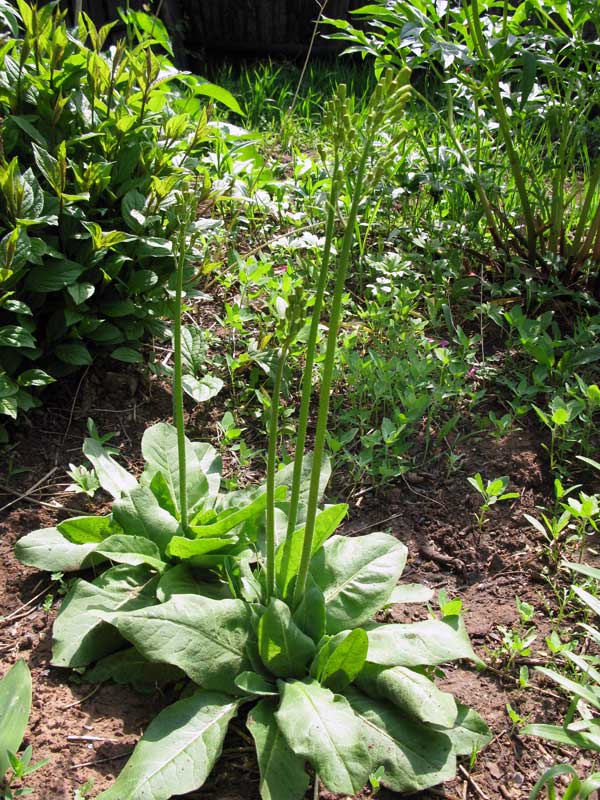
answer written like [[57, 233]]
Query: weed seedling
[[491, 492]]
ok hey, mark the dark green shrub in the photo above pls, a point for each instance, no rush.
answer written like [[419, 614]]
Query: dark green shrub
[[95, 143]]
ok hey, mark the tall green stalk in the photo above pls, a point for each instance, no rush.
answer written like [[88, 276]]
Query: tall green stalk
[[178, 378], [307, 378], [327, 378], [271, 465]]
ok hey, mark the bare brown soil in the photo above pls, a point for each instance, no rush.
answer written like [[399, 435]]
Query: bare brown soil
[[88, 730]]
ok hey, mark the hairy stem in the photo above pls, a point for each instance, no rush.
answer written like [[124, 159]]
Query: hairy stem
[[327, 378], [307, 378], [177, 380], [271, 464]]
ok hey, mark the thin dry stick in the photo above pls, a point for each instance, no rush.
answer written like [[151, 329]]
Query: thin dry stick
[[29, 491], [66, 433], [101, 760], [316, 788], [82, 699], [88, 739], [5, 622], [473, 784], [17, 611], [322, 7]]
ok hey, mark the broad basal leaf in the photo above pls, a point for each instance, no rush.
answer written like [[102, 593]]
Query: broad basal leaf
[[211, 465], [205, 638], [357, 576], [289, 554], [230, 519], [139, 514], [83, 530], [80, 634], [113, 478], [15, 705], [159, 448], [310, 614], [129, 667], [470, 734], [131, 550], [48, 549], [191, 549], [414, 694], [420, 644], [202, 389], [178, 750], [339, 664], [413, 755], [282, 646], [255, 685], [321, 727], [282, 774], [181, 580], [410, 593]]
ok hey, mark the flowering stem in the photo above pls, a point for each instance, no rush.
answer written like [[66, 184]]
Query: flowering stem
[[327, 379]]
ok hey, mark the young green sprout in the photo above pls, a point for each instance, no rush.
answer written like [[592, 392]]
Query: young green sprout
[[491, 492]]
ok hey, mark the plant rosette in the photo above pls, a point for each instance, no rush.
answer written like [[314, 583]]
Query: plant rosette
[[328, 686]]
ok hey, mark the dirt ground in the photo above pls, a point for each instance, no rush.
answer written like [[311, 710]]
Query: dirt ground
[[88, 730]]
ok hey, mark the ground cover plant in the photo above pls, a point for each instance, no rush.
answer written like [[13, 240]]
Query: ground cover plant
[[96, 140], [463, 399]]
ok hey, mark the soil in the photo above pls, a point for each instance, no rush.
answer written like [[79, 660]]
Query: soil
[[88, 730]]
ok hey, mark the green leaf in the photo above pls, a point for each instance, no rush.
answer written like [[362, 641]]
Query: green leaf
[[178, 750], [133, 207], [128, 355], [282, 646], [562, 735], [211, 465], [133, 550], [310, 614], [193, 349], [82, 530], [413, 693], [180, 580], [413, 755], [80, 634], [289, 553], [113, 478], [321, 727], [162, 493], [205, 638], [159, 448], [219, 94], [342, 663], [357, 577], [130, 668], [142, 280], [53, 276], [228, 520], [80, 292], [417, 644], [188, 549], [469, 734], [255, 685], [15, 705], [282, 774], [202, 389], [410, 593], [35, 377], [15, 336], [139, 514], [73, 353], [49, 550]]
